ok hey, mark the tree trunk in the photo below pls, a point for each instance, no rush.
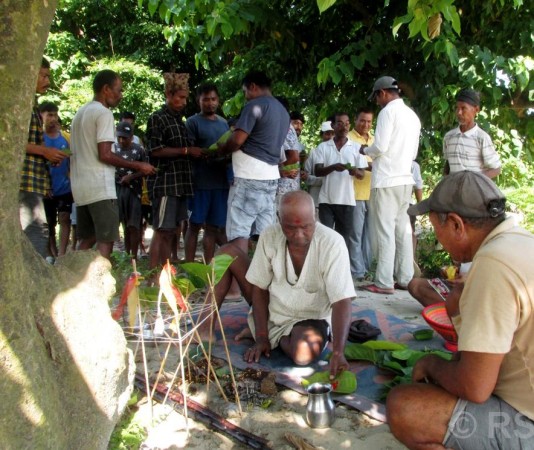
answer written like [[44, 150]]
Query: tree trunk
[[64, 368]]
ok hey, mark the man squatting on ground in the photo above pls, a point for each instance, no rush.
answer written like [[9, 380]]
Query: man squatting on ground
[[298, 284], [484, 397]]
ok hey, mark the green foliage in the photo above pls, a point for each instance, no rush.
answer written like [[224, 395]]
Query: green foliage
[[323, 56], [399, 360], [128, 434], [142, 89], [521, 201], [430, 255]]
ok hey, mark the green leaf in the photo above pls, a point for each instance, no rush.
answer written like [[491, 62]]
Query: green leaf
[[324, 5], [152, 6], [220, 265], [357, 352], [198, 273], [399, 21], [344, 383], [204, 274], [452, 53], [384, 345], [185, 286], [221, 140], [290, 167], [403, 355], [335, 75], [455, 20]]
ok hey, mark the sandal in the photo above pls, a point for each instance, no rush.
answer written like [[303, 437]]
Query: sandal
[[377, 290], [362, 331]]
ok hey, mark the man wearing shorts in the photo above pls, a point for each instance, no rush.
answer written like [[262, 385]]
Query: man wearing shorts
[[58, 206], [484, 396], [170, 149], [255, 146], [208, 205], [129, 188], [93, 166]]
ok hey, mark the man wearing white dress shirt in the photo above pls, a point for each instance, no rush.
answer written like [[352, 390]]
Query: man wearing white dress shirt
[[395, 147]]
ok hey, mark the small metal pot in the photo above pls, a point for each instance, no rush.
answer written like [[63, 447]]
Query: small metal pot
[[320, 410]]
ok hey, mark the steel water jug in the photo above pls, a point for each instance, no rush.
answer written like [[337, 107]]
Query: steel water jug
[[320, 410]]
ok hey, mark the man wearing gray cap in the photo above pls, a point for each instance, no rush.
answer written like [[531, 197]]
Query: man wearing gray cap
[[468, 147], [484, 396], [394, 149]]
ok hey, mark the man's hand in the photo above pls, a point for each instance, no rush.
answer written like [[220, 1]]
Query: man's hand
[[303, 175], [125, 180], [54, 155], [338, 363], [339, 167], [294, 173], [195, 152], [262, 346], [358, 173], [146, 168], [421, 369]]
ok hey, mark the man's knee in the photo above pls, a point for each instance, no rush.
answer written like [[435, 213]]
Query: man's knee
[[413, 287], [397, 408]]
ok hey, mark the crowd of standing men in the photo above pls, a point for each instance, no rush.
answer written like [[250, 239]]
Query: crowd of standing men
[[362, 183], [234, 181]]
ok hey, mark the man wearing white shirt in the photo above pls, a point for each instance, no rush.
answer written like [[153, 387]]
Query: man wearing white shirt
[[395, 147], [337, 161]]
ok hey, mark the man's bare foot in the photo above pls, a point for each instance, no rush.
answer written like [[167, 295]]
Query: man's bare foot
[[244, 334]]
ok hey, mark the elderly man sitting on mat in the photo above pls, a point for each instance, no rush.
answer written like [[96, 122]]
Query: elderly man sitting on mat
[[298, 284]]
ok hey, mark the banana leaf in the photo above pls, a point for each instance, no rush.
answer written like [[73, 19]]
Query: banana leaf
[[344, 383], [201, 274]]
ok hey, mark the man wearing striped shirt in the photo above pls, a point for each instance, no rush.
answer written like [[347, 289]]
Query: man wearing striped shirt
[[468, 147]]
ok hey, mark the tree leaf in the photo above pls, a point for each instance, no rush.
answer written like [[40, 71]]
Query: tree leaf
[[324, 5]]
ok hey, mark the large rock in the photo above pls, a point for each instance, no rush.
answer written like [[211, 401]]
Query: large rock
[[66, 371]]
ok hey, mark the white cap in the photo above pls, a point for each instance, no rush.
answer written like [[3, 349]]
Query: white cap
[[326, 126]]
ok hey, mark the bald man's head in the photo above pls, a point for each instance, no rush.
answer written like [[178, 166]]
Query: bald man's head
[[296, 200], [297, 217]]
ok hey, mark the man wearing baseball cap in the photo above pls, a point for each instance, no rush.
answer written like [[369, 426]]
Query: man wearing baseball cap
[[395, 147], [129, 186], [484, 396], [468, 147]]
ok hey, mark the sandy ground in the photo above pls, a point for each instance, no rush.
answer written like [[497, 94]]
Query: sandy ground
[[351, 429]]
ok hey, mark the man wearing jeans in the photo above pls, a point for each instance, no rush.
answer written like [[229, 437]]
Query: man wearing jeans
[[394, 149], [255, 145]]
